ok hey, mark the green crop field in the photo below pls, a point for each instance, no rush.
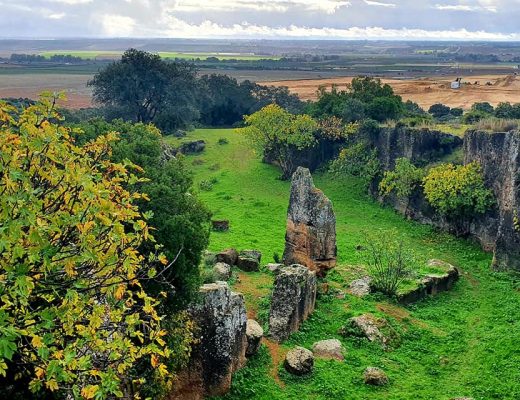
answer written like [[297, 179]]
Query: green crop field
[[185, 56], [461, 343]]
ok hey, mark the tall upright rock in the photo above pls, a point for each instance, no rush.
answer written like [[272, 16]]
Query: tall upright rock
[[293, 300], [221, 349], [310, 239]]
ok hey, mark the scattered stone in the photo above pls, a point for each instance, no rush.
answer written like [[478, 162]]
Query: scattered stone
[[367, 326], [293, 300], [299, 361], [274, 268], [228, 256], [254, 333], [220, 226], [222, 271], [168, 152], [249, 260], [221, 344], [310, 239], [194, 147], [329, 349], [360, 287], [179, 133], [375, 376]]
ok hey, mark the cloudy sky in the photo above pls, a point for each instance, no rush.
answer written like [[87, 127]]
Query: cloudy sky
[[317, 19]]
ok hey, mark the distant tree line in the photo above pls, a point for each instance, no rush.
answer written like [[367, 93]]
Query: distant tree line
[[37, 58], [142, 87]]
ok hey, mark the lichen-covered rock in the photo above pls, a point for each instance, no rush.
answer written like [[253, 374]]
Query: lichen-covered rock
[[274, 267], [299, 361], [293, 300], [310, 239], [367, 326], [228, 256], [196, 146], [254, 334], [360, 287], [249, 260], [222, 271], [329, 349], [375, 376], [221, 332]]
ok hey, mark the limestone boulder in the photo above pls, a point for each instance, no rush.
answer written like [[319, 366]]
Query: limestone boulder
[[293, 300], [194, 147], [222, 271], [221, 320], [329, 349], [360, 287], [375, 377], [254, 334], [310, 238], [367, 326], [228, 256], [274, 267], [299, 361], [249, 260]]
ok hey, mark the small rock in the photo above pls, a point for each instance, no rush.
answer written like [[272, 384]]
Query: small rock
[[197, 146], [329, 349], [249, 260], [299, 361], [360, 287], [222, 271], [366, 325], [228, 256], [220, 226], [274, 268], [254, 333], [375, 376]]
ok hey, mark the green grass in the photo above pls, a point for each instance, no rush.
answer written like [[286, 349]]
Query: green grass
[[462, 343], [170, 54]]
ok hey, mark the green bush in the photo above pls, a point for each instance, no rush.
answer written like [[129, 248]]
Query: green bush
[[402, 180], [458, 190], [357, 160]]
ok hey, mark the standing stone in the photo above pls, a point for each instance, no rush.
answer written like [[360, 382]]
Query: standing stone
[[228, 256], [310, 239], [249, 260], [221, 349], [293, 300], [299, 361], [254, 333]]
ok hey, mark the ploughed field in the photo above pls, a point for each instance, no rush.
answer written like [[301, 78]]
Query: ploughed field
[[464, 342]]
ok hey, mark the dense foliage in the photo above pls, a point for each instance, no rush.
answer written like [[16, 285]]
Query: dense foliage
[[457, 190], [359, 160], [75, 318], [403, 180], [276, 132]]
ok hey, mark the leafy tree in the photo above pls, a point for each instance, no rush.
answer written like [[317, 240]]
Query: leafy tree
[[472, 117], [439, 110], [145, 88], [329, 104], [353, 110], [507, 111], [403, 180], [384, 108], [412, 109], [74, 316], [367, 89], [358, 160], [180, 220], [457, 112], [280, 134], [458, 190], [484, 107]]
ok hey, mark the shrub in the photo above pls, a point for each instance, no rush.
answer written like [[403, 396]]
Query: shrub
[[389, 264], [457, 112], [402, 180], [207, 185], [457, 190], [472, 117], [223, 141], [484, 107], [357, 160], [439, 110]]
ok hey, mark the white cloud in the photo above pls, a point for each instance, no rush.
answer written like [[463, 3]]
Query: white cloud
[[379, 4], [466, 8], [117, 25], [56, 16]]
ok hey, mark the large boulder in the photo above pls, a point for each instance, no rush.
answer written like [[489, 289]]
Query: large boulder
[[360, 287], [310, 239], [249, 260], [222, 271], [221, 344], [293, 300], [299, 361], [254, 334], [194, 147], [375, 376], [367, 326], [228, 256], [329, 349]]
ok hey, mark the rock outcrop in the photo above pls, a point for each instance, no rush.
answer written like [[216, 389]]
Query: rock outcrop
[[299, 361], [310, 239], [329, 349], [194, 147], [221, 349], [293, 300], [249, 260], [228, 256], [367, 326], [375, 377], [254, 334]]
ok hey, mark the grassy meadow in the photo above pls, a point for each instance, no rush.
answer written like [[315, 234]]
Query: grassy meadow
[[461, 343]]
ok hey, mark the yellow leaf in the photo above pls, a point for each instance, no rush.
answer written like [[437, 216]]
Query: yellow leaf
[[120, 291], [52, 385], [89, 391], [39, 372], [155, 361], [37, 342]]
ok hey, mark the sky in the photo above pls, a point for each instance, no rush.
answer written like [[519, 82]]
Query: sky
[[263, 19]]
